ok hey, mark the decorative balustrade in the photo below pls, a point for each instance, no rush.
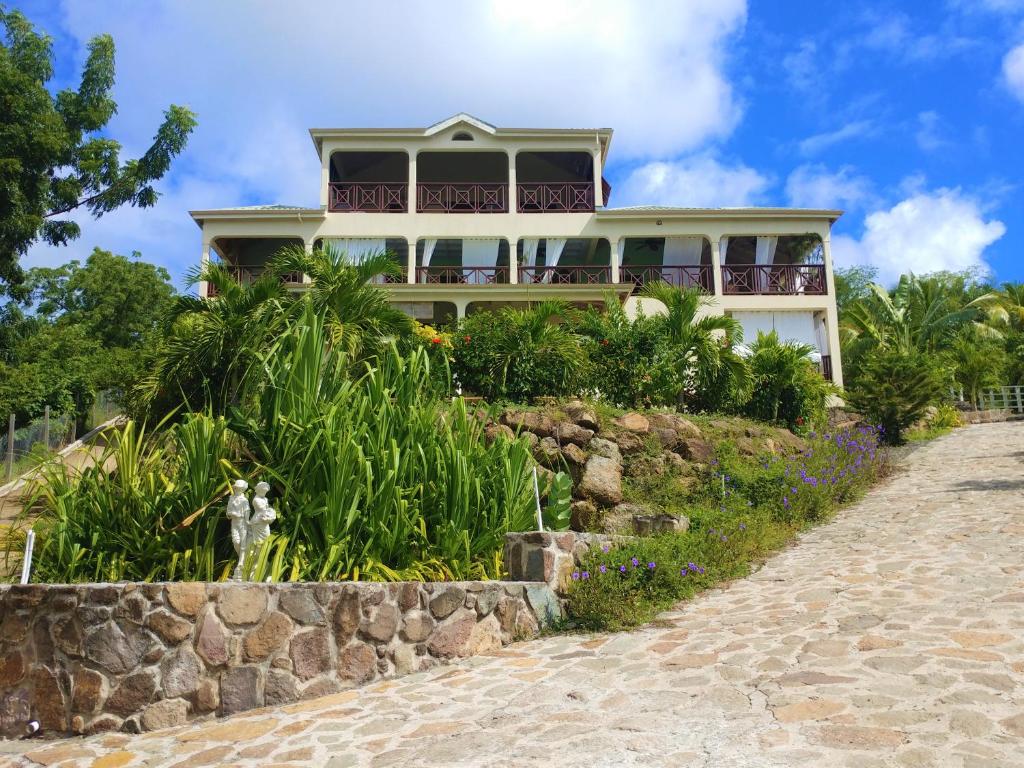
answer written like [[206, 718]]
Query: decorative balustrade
[[555, 197], [569, 275], [774, 279], [461, 198], [247, 275], [395, 279], [462, 275], [385, 197], [695, 276]]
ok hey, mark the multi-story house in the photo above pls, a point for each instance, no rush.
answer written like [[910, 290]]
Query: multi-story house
[[480, 217]]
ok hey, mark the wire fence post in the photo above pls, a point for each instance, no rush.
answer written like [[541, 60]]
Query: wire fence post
[[10, 448]]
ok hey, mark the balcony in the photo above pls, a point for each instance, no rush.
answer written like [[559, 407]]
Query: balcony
[[459, 275], [461, 197], [774, 279], [370, 197], [247, 275], [555, 197], [697, 276], [575, 275]]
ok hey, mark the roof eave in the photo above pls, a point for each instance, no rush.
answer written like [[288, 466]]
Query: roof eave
[[724, 213]]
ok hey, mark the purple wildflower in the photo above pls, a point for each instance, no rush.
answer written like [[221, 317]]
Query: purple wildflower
[[650, 566], [622, 569], [635, 562], [743, 526], [603, 569], [575, 575], [586, 575]]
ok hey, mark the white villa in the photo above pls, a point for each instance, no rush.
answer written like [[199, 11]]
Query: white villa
[[481, 217]]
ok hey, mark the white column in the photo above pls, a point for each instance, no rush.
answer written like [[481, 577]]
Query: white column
[[308, 246], [513, 189], [598, 191], [460, 309], [411, 193], [325, 177], [716, 263], [204, 260], [513, 260], [831, 314], [613, 254], [410, 259]]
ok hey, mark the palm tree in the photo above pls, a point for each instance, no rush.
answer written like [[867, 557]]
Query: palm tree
[[703, 346], [536, 336], [360, 317], [210, 342], [776, 367]]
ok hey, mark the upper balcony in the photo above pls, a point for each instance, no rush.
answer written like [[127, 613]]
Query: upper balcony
[[373, 182], [554, 182], [773, 266], [462, 182]]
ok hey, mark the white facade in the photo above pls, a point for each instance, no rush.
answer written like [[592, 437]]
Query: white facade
[[482, 216]]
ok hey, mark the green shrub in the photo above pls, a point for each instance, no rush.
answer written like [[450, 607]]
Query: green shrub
[[787, 388], [517, 354], [894, 389]]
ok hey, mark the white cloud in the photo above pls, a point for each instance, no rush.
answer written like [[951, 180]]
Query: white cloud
[[1013, 71], [260, 73], [940, 230], [696, 181], [819, 142], [814, 186]]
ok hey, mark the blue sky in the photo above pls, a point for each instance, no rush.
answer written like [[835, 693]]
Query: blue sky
[[908, 115]]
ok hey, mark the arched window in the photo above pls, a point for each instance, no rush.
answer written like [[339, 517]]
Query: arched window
[[462, 136]]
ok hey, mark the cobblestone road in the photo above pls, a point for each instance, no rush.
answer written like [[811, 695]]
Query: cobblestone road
[[893, 636]]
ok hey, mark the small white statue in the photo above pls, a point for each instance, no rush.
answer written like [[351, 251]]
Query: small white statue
[[250, 526], [238, 514], [262, 516]]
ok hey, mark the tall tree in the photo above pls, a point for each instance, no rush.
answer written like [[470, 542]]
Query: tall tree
[[54, 158]]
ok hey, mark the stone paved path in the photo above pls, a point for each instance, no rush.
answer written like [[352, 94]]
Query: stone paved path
[[893, 636]]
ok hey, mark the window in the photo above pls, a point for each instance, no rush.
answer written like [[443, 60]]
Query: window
[[462, 136]]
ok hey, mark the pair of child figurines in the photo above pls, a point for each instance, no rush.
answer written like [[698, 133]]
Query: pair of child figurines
[[250, 526]]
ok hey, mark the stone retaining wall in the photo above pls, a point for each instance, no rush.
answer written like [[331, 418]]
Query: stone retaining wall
[[95, 657], [550, 557]]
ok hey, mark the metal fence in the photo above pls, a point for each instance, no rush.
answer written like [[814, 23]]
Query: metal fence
[[23, 446], [1003, 399]]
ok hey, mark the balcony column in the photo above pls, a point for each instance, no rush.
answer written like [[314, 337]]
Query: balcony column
[[598, 191], [204, 261], [513, 190], [616, 247], [325, 177], [513, 260], [410, 259], [831, 316], [716, 263], [411, 195], [307, 244]]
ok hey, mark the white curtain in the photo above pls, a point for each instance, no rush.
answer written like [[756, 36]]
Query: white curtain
[[821, 336], [620, 253], [764, 254], [479, 253], [428, 251], [722, 248], [681, 252], [530, 245], [553, 247], [357, 249]]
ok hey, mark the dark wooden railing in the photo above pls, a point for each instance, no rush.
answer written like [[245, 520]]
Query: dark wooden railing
[[774, 279], [462, 275], [247, 275], [461, 198], [826, 367], [398, 279], [696, 276], [575, 275], [555, 196], [384, 197]]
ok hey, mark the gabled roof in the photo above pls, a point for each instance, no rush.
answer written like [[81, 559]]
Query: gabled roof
[[463, 118]]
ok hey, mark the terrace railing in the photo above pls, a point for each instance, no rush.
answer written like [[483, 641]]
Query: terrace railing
[[774, 279], [384, 197], [696, 276], [569, 275], [462, 275], [246, 275], [1003, 399], [461, 198], [555, 197]]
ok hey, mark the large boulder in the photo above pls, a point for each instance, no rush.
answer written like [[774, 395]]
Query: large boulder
[[574, 455], [602, 481], [634, 422], [695, 449], [619, 519], [529, 421], [601, 447], [494, 431], [584, 515], [567, 432], [582, 414], [628, 442], [547, 452], [682, 427]]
